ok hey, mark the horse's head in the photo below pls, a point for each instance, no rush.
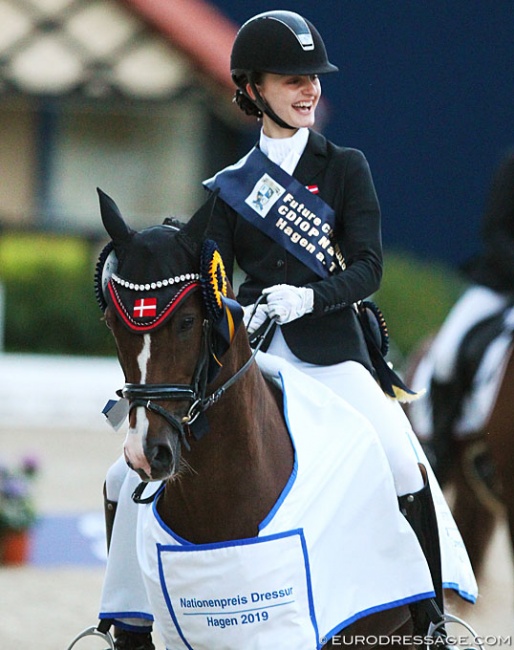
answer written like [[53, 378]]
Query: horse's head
[[165, 298]]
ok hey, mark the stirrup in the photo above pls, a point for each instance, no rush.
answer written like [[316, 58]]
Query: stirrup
[[93, 631], [438, 629]]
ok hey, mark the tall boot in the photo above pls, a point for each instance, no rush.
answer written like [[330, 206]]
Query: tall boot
[[419, 510], [125, 640], [446, 402], [109, 513]]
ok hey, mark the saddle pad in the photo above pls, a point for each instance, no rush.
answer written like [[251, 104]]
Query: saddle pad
[[480, 396]]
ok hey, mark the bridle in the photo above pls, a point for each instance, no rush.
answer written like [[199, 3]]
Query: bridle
[[147, 395]]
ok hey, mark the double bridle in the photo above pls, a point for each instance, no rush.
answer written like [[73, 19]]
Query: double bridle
[[146, 395]]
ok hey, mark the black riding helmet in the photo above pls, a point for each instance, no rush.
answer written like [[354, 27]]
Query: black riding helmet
[[281, 42]]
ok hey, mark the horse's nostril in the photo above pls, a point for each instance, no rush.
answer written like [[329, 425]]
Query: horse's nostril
[[162, 458]]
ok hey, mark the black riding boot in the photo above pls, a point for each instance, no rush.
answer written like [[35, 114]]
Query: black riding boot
[[124, 640], [446, 401], [419, 510]]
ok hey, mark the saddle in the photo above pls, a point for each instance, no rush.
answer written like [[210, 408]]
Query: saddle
[[450, 399]]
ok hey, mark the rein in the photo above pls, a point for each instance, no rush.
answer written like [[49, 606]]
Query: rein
[[212, 399]]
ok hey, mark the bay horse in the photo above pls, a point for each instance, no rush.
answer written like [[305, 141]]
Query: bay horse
[[203, 418], [478, 466]]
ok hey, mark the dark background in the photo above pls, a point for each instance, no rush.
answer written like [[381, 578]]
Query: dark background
[[426, 90]]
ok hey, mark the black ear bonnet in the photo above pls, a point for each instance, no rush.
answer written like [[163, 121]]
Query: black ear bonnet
[[144, 296], [145, 275]]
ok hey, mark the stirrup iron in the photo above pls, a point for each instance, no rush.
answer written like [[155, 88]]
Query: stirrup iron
[[93, 631], [438, 629]]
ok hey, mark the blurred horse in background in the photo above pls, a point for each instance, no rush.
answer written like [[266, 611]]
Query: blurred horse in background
[[476, 466]]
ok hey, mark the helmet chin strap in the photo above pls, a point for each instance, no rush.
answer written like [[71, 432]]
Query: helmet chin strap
[[262, 105]]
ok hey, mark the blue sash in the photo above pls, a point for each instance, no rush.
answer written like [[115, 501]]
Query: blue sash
[[282, 208]]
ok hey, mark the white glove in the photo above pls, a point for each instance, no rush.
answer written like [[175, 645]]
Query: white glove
[[287, 303], [253, 323]]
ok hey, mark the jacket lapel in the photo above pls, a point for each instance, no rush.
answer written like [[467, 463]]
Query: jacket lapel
[[312, 163]]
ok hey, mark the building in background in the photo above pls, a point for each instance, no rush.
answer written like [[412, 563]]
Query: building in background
[[135, 96], [132, 96]]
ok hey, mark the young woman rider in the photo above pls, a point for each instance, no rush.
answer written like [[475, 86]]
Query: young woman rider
[[276, 61]]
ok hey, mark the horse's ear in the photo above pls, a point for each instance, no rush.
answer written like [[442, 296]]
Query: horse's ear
[[112, 219], [193, 233]]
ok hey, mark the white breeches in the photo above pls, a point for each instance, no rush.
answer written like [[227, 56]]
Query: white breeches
[[115, 477], [351, 381], [475, 304]]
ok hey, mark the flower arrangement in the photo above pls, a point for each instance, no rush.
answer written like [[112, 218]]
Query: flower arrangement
[[17, 504]]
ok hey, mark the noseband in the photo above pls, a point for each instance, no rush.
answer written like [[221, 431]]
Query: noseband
[[146, 395]]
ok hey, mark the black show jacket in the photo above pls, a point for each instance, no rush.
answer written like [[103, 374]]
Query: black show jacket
[[331, 333]]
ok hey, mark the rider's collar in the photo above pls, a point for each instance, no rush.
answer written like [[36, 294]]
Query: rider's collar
[[284, 151]]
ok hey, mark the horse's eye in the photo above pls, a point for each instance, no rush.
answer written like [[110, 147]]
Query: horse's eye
[[187, 323]]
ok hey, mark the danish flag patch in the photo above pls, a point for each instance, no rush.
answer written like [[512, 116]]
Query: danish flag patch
[[145, 307]]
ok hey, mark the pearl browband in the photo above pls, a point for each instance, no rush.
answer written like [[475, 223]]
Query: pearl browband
[[155, 285]]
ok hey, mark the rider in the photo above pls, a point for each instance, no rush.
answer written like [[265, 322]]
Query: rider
[[276, 61], [490, 291]]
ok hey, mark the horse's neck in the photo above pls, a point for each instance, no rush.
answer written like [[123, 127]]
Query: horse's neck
[[237, 471]]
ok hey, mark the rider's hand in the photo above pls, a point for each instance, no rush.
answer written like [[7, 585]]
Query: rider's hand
[[287, 303], [253, 323]]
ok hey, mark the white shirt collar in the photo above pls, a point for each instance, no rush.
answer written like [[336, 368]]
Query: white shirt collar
[[285, 152]]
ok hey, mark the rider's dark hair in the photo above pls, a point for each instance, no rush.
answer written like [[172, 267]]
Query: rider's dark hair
[[241, 98]]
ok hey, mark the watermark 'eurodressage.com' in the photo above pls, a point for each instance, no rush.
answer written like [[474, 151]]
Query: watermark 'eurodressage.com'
[[465, 641]]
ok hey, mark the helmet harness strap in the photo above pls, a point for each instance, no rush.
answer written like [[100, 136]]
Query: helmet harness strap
[[262, 104]]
